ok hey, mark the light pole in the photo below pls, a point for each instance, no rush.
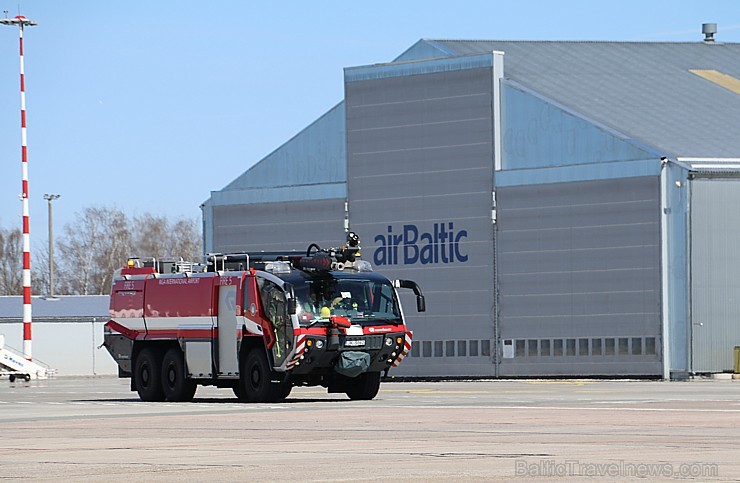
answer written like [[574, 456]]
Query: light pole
[[21, 22], [51, 198]]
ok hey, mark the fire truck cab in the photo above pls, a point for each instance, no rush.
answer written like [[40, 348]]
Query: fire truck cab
[[258, 323]]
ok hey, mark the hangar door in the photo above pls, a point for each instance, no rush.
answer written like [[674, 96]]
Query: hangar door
[[715, 272]]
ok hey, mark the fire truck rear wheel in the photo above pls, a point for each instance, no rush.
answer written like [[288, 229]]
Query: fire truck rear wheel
[[147, 374], [364, 387], [256, 378], [175, 384]]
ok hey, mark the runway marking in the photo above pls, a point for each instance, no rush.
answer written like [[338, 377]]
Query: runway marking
[[566, 383], [432, 391], [570, 408]]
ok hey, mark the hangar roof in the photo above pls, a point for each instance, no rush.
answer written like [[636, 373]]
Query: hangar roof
[[63, 308], [680, 98]]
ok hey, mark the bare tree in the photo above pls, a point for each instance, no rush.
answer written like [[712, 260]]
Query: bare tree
[[92, 248], [155, 236], [185, 239], [152, 236], [116, 250], [101, 240], [40, 271], [11, 261]]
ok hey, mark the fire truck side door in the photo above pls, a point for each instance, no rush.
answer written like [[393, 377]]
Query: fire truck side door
[[276, 310], [228, 363]]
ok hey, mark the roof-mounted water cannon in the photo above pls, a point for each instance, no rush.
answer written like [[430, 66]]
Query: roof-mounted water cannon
[[350, 251], [314, 258], [344, 258]]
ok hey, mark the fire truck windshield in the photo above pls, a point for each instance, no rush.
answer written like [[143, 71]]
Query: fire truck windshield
[[364, 300]]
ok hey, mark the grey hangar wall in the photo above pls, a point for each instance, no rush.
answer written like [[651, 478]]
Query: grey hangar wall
[[420, 172], [547, 243]]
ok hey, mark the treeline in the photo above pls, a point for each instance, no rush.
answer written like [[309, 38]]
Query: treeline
[[88, 250]]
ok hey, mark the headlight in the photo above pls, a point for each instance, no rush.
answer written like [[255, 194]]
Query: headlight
[[319, 344], [388, 341]]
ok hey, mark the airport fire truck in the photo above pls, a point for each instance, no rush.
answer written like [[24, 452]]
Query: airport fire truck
[[259, 323]]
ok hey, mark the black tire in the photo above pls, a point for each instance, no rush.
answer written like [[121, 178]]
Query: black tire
[[256, 378], [285, 389], [11, 378], [175, 384], [27, 377], [364, 387], [148, 375], [239, 391]]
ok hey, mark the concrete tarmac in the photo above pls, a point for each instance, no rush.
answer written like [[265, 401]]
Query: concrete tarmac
[[95, 429]]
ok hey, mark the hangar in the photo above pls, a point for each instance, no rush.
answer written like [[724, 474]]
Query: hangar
[[569, 208]]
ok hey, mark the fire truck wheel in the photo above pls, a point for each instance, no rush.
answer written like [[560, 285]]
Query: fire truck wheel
[[256, 378], [177, 387], [147, 374], [11, 378], [364, 387], [239, 391], [285, 389]]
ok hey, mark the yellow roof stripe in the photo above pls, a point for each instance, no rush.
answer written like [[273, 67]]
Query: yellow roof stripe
[[724, 80]]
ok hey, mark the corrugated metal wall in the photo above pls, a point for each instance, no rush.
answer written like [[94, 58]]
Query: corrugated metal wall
[[420, 166], [715, 273], [278, 226], [579, 274]]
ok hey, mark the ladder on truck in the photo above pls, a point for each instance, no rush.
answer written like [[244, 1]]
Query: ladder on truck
[[15, 366]]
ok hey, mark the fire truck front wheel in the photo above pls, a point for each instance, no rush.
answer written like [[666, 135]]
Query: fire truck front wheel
[[257, 379], [177, 387], [147, 374], [364, 387]]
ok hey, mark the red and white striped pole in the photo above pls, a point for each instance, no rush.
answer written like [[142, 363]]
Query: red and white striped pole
[[22, 22]]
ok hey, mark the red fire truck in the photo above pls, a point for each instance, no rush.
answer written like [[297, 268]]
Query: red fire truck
[[258, 323]]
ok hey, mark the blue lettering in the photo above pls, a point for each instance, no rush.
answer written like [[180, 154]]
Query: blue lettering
[[451, 242], [410, 250], [460, 257], [426, 255], [380, 252], [397, 239], [441, 244]]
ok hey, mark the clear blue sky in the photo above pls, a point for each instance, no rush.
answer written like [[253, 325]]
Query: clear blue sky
[[149, 106]]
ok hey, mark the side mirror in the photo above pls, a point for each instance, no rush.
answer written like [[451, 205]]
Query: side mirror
[[290, 302], [420, 304], [410, 284]]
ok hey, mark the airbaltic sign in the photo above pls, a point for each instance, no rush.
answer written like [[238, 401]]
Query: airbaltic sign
[[411, 245]]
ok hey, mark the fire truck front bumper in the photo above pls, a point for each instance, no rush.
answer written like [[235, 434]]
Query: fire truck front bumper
[[330, 354]]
